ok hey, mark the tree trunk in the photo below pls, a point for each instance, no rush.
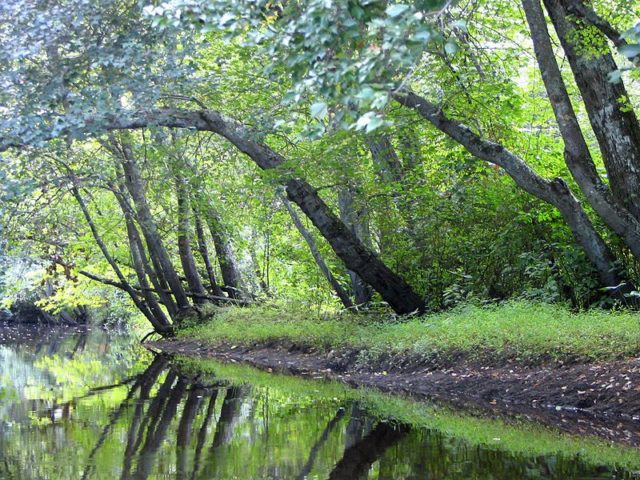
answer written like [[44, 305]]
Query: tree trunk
[[157, 324], [355, 220], [139, 267], [308, 237], [390, 172], [204, 253], [384, 156], [229, 267], [203, 207], [577, 154], [158, 253], [612, 118], [184, 242], [356, 256], [139, 256]]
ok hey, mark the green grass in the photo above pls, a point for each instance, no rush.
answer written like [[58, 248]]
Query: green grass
[[522, 437], [516, 331]]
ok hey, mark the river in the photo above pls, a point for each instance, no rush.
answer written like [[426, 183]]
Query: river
[[80, 404]]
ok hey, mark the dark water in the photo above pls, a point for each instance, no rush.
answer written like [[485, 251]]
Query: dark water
[[88, 405]]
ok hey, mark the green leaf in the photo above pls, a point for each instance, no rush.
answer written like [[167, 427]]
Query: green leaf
[[319, 110], [374, 123], [630, 51], [451, 47], [615, 76], [396, 10]]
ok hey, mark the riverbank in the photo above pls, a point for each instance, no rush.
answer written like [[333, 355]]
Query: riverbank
[[521, 358]]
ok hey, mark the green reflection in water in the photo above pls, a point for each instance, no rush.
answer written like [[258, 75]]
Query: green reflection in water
[[96, 406]]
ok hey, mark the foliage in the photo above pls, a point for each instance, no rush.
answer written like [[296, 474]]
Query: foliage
[[346, 54], [316, 90], [53, 78]]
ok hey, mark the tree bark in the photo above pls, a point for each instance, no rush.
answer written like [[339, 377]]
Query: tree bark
[[229, 267], [577, 155], [160, 287], [157, 324], [203, 207], [555, 192], [385, 157], [355, 255], [579, 9], [141, 265], [356, 221], [613, 121], [308, 237], [204, 253], [184, 242]]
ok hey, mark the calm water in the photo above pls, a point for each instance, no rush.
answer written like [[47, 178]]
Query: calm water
[[87, 405]]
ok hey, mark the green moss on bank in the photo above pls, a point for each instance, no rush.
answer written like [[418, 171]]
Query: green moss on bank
[[525, 438], [522, 331]]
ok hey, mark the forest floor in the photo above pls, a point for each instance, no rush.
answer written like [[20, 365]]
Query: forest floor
[[596, 393]]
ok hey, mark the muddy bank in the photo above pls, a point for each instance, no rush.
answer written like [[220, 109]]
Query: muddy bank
[[597, 399]]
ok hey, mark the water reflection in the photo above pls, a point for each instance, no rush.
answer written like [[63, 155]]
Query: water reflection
[[91, 406]]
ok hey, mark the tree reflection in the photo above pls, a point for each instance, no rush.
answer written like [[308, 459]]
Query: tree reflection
[[168, 422], [359, 457]]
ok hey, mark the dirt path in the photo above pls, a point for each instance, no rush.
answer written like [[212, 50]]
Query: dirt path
[[596, 399]]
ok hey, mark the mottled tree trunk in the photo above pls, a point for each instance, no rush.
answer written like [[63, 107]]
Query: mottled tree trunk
[[229, 267], [555, 192], [356, 221], [204, 253], [184, 242], [161, 325], [612, 118], [140, 261], [139, 267], [385, 158], [356, 256], [577, 154]]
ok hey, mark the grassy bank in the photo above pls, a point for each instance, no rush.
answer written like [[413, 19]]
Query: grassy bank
[[518, 331]]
